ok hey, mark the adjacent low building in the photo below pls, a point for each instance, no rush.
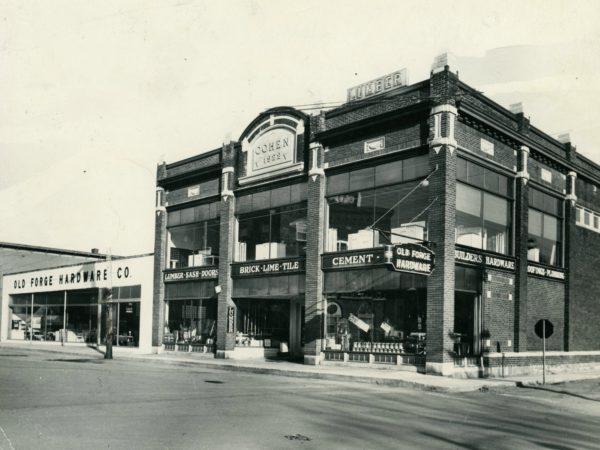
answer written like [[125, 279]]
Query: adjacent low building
[[68, 305]]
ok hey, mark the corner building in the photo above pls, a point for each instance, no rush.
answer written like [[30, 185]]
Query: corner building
[[281, 244]]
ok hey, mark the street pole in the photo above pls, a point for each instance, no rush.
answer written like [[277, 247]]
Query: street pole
[[109, 313], [544, 352]]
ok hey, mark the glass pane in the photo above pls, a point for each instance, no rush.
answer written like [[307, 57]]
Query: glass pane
[[551, 228], [388, 173], [337, 184], [469, 221], [495, 209], [349, 219], [362, 178], [261, 200], [475, 174], [193, 245], [468, 200], [415, 167], [280, 196], [461, 169], [288, 232], [535, 223], [299, 192], [492, 181], [243, 204]]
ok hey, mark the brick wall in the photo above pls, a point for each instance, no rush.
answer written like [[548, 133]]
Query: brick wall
[[584, 289], [498, 307], [546, 300], [408, 135], [469, 138], [193, 164], [377, 106], [558, 182]]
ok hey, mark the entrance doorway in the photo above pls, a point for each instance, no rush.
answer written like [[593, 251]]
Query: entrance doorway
[[467, 323]]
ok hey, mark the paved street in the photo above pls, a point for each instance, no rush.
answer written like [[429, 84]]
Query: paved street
[[50, 400]]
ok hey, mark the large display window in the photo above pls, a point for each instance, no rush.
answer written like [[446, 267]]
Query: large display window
[[262, 322], [365, 210], [483, 208], [191, 321], [271, 224], [375, 311], [193, 236], [544, 243]]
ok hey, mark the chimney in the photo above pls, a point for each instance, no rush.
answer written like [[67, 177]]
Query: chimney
[[95, 251], [516, 108], [443, 61]]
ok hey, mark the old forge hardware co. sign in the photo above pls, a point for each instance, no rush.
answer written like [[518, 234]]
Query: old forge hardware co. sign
[[411, 258]]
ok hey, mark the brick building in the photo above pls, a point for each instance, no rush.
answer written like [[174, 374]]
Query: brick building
[[415, 225]]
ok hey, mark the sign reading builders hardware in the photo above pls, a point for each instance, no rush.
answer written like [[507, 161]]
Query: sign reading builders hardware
[[411, 258], [485, 260]]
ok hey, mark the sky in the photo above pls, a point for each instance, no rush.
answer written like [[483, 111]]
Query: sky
[[95, 94]]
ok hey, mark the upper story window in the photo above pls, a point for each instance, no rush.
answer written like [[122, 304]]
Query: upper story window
[[483, 208], [370, 207], [272, 224], [193, 236], [544, 242], [587, 218]]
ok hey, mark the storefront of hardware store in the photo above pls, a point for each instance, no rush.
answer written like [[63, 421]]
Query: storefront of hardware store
[[408, 227], [68, 305]]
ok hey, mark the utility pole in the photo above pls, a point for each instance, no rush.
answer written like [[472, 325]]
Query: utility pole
[[109, 313]]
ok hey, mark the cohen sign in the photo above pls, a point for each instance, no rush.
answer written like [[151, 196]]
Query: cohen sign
[[273, 149], [411, 258]]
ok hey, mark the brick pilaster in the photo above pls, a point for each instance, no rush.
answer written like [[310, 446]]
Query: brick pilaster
[[313, 300], [225, 340], [160, 256], [521, 230], [442, 219], [570, 229]]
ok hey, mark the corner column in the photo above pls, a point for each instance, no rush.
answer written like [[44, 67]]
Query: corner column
[[569, 232], [160, 249], [226, 323], [442, 219], [521, 248], [313, 297]]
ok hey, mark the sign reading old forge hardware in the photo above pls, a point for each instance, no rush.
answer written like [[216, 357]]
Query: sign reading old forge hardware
[[411, 258]]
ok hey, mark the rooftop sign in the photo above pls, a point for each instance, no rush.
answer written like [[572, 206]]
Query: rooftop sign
[[378, 86]]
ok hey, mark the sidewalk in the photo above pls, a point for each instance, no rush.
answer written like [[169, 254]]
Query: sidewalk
[[371, 375]]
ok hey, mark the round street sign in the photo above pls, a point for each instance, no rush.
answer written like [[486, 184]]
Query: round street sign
[[539, 328]]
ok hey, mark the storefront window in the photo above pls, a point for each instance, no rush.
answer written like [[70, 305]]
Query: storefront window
[[272, 223], [483, 220], [82, 317], [375, 311], [262, 322], [276, 233], [544, 242], [193, 236], [191, 321], [20, 317], [375, 216]]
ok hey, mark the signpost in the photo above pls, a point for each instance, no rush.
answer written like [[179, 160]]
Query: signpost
[[544, 329]]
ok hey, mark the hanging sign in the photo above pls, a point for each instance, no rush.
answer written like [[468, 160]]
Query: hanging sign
[[411, 258]]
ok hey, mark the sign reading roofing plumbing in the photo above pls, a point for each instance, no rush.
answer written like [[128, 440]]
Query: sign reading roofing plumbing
[[411, 258], [378, 85]]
